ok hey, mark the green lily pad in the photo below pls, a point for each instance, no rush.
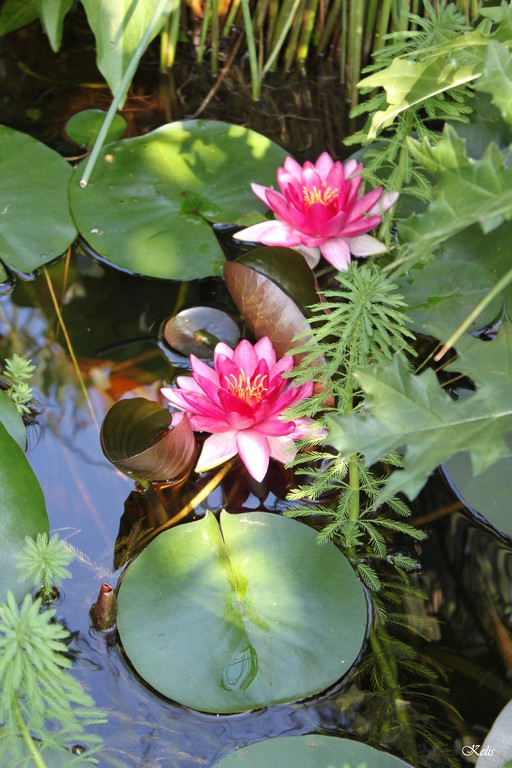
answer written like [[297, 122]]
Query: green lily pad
[[310, 752], [12, 421], [34, 209], [487, 493], [151, 201], [22, 511], [83, 127], [243, 614]]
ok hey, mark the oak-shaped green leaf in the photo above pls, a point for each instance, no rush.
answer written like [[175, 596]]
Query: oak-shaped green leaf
[[312, 751], [408, 82], [466, 193], [496, 78], [14, 15], [240, 615], [413, 412], [151, 201], [22, 511], [137, 438], [36, 224]]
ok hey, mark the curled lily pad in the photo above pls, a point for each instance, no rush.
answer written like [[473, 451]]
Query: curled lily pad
[[311, 751], [241, 614], [198, 329], [267, 308], [83, 127], [136, 437]]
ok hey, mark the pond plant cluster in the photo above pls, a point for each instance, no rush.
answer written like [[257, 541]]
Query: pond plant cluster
[[363, 340]]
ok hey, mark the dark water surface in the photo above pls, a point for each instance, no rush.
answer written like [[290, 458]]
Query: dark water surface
[[113, 321]]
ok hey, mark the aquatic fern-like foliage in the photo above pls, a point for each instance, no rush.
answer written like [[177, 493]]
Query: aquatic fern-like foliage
[[361, 322], [41, 705], [18, 372], [42, 561]]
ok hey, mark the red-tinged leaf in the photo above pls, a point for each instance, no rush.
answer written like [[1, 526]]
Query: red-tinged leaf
[[137, 438], [197, 330]]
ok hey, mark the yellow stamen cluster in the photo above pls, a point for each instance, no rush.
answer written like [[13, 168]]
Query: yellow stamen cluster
[[325, 195], [241, 386]]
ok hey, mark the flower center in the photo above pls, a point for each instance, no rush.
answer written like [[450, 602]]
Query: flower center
[[251, 391], [324, 195]]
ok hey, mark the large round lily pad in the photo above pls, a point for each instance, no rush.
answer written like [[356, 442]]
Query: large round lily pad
[[150, 203], [36, 222], [243, 614], [310, 752], [22, 511]]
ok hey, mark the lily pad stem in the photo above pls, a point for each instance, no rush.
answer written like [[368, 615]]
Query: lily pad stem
[[500, 285], [122, 90]]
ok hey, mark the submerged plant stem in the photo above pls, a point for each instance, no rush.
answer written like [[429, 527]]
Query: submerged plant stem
[[70, 347], [36, 756]]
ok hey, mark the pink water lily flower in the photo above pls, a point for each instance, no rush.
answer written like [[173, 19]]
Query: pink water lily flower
[[241, 401], [320, 211]]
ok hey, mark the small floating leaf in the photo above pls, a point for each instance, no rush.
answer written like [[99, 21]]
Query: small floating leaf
[[83, 127], [241, 614], [198, 329], [137, 438]]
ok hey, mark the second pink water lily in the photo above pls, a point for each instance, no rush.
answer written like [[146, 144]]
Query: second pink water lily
[[320, 211], [241, 401]]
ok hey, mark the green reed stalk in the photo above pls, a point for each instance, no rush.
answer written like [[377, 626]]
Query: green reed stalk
[[355, 48], [214, 61], [293, 39], [230, 19], [33, 751], [382, 24], [121, 92], [288, 13], [169, 39], [370, 26], [308, 25], [251, 47], [330, 23], [344, 42], [204, 32]]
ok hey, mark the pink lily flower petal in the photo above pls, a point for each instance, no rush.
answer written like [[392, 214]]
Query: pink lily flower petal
[[217, 449], [366, 245], [254, 452], [319, 205]]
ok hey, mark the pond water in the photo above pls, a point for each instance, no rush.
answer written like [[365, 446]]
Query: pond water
[[113, 322]]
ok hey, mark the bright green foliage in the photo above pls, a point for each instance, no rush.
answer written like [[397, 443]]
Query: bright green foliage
[[496, 78], [18, 371], [43, 562], [35, 687], [361, 322], [413, 411], [467, 192], [52, 14]]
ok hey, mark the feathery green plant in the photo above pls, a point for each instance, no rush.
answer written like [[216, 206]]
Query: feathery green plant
[[359, 323], [18, 372], [42, 561], [388, 160], [41, 705]]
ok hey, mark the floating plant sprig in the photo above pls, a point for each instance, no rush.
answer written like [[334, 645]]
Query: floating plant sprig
[[41, 705], [42, 561], [18, 371]]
